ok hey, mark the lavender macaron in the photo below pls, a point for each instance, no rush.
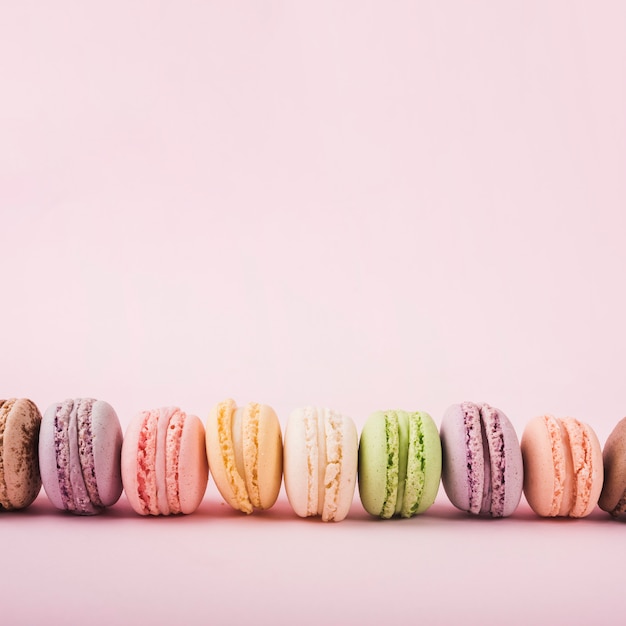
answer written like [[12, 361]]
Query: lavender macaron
[[80, 445], [482, 462]]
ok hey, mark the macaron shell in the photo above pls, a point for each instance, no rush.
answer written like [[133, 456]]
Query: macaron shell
[[598, 471], [19, 452], [454, 458], [372, 464], [324, 481], [47, 457], [612, 498], [107, 449], [193, 469], [129, 465], [297, 472], [269, 456], [540, 476]]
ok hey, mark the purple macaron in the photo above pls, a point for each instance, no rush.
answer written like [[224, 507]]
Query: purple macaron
[[80, 444], [482, 462]]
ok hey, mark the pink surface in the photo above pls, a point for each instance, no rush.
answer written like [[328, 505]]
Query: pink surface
[[353, 205]]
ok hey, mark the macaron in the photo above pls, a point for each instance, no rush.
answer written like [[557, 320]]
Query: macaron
[[399, 463], [20, 480], [320, 463], [245, 451], [482, 464], [613, 494], [563, 470], [79, 455], [164, 464]]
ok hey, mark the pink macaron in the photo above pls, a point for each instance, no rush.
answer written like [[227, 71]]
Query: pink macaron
[[164, 463]]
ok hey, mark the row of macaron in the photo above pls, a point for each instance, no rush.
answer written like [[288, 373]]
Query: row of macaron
[[77, 451]]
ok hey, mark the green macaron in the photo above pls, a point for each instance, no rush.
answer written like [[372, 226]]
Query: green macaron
[[399, 463]]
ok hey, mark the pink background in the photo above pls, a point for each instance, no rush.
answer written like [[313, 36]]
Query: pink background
[[363, 205]]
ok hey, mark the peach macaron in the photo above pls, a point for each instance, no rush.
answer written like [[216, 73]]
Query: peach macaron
[[563, 469]]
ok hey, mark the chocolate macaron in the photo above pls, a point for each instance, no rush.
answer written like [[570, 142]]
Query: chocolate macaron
[[20, 481], [613, 495]]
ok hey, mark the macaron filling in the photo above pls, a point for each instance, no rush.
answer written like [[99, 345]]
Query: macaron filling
[[146, 463], [85, 450], [493, 501], [79, 492], [251, 451], [474, 456], [415, 468], [311, 443], [332, 472]]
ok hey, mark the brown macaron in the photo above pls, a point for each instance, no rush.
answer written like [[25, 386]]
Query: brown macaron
[[613, 496], [20, 481]]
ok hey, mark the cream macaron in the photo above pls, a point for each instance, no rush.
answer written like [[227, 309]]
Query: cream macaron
[[321, 458]]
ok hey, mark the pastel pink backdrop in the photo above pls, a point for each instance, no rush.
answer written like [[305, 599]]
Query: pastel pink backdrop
[[363, 205]]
